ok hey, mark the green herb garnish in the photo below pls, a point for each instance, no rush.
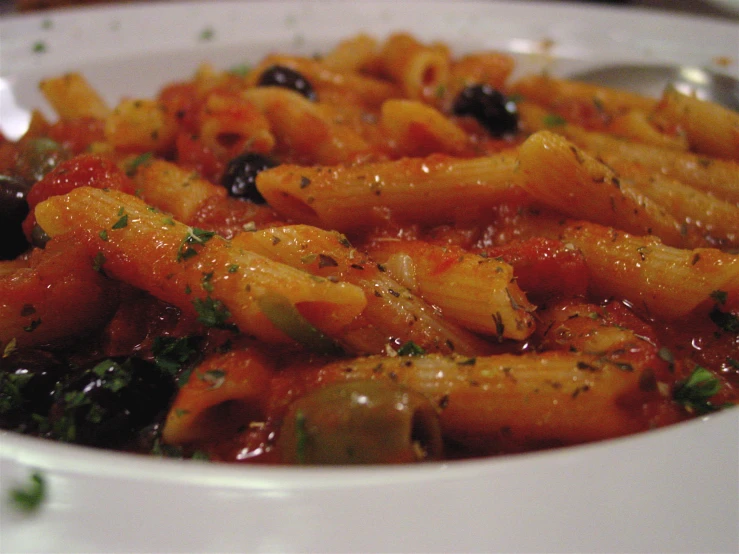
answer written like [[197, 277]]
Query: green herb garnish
[[194, 237], [29, 498], [410, 348], [171, 353], [694, 393], [212, 312], [725, 321], [554, 120]]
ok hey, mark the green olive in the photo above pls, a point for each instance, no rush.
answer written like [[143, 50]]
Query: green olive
[[39, 156], [360, 422]]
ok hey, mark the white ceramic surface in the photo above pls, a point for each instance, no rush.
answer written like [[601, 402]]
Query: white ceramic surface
[[671, 490]]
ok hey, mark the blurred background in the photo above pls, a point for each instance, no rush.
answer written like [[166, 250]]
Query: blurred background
[[728, 9]]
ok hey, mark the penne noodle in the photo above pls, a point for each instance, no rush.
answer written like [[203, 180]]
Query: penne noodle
[[225, 393], [352, 54], [662, 281], [230, 125], [522, 399], [564, 177], [478, 293], [479, 68], [200, 273], [73, 97], [417, 190], [417, 129], [710, 128], [597, 103], [393, 315], [420, 70], [173, 189], [305, 129], [140, 126], [712, 175], [368, 91]]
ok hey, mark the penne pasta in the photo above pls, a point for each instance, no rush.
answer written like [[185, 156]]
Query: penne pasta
[[72, 96], [304, 129], [417, 129], [711, 129], [409, 190], [420, 70], [498, 400], [564, 177], [225, 392], [173, 189], [198, 272], [393, 314], [479, 293], [140, 126], [662, 281]]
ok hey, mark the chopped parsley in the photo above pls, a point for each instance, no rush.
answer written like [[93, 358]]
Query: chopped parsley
[[98, 261], [695, 392], [720, 296], [115, 375], [205, 281], [725, 321], [172, 353], [554, 120], [138, 161], [194, 236], [29, 498], [207, 34], [39, 47], [212, 312], [410, 348], [241, 70], [121, 223], [11, 390]]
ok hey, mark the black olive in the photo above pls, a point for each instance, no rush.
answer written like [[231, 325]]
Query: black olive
[[28, 379], [280, 76], [490, 107], [39, 238], [111, 401], [13, 210], [240, 176]]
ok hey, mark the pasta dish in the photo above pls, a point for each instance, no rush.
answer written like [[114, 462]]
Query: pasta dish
[[386, 253]]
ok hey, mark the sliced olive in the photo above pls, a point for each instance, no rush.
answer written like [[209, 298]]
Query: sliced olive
[[13, 210], [109, 402], [490, 107], [240, 176], [361, 422], [281, 76], [28, 378]]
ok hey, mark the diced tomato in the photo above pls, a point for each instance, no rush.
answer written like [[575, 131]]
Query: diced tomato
[[545, 267], [76, 135], [86, 170], [181, 99], [193, 154]]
